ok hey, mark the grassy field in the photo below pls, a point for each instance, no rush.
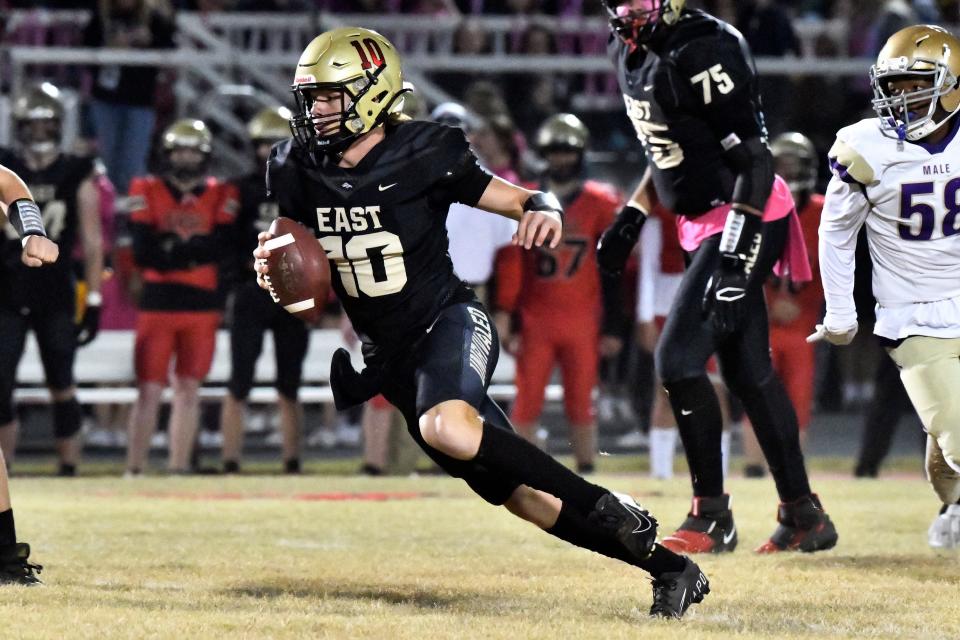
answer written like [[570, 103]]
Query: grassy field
[[332, 556]]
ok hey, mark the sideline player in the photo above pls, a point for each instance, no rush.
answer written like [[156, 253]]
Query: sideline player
[[690, 88], [900, 175], [20, 209], [44, 300], [180, 222], [793, 308], [556, 294], [254, 311], [375, 188]]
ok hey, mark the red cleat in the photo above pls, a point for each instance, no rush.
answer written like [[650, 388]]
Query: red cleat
[[804, 526], [709, 528]]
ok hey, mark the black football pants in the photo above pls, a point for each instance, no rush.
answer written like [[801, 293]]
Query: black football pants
[[686, 344]]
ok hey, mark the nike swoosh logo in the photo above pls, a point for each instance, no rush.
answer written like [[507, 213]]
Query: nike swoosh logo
[[685, 412], [384, 188], [683, 598], [727, 537]]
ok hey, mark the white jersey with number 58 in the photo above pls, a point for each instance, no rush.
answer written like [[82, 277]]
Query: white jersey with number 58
[[908, 195]]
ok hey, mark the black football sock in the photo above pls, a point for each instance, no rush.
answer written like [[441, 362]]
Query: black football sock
[[506, 452], [700, 423], [8, 533], [573, 527], [775, 423]]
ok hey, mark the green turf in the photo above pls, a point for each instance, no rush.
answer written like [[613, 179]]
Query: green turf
[[262, 557]]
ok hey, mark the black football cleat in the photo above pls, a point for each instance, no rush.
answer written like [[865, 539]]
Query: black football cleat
[[673, 593], [633, 526], [14, 567], [804, 526], [709, 528]]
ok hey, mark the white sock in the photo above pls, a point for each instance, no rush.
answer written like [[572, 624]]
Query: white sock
[[663, 446], [725, 453]]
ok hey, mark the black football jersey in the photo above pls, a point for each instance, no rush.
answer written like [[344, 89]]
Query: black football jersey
[[383, 223], [257, 211], [692, 94], [55, 191]]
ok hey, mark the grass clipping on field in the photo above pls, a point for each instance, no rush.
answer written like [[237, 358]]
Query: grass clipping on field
[[263, 557]]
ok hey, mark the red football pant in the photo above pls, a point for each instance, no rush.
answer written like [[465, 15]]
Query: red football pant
[[191, 335], [572, 344], [793, 360]]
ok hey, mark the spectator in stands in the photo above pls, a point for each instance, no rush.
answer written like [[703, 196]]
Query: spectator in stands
[[254, 312], [469, 39], [274, 6], [181, 224], [123, 108], [533, 97]]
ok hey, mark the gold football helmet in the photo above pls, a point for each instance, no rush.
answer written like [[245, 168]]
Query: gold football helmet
[[635, 21], [926, 53], [364, 68], [271, 124], [795, 159], [38, 118], [188, 133], [562, 131]]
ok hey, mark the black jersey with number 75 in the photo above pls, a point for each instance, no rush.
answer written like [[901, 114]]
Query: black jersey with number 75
[[691, 94], [383, 222]]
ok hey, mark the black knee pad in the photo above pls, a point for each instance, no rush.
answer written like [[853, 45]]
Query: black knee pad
[[66, 418], [6, 410]]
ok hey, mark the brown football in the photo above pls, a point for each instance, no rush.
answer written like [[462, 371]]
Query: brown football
[[299, 276]]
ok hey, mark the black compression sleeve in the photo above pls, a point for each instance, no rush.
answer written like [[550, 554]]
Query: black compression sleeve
[[753, 163]]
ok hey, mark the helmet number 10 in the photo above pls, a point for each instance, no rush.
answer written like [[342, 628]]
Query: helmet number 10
[[375, 58]]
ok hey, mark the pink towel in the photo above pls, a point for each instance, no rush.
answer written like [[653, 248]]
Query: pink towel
[[794, 261]]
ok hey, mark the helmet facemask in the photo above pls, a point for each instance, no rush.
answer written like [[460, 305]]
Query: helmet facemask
[[184, 168], [910, 115], [563, 163], [39, 136], [637, 25], [334, 132]]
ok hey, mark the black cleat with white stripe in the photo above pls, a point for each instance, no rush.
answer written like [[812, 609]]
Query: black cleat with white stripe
[[634, 527], [673, 593]]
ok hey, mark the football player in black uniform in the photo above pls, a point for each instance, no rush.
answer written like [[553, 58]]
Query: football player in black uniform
[[375, 188], [690, 88], [254, 312], [45, 300], [17, 204]]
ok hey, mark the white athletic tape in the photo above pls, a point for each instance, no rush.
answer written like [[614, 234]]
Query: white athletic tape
[[303, 305], [279, 241]]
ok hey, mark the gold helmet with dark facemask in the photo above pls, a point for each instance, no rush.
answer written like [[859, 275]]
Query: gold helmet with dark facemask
[[637, 25], [360, 64], [187, 133], [563, 130], [922, 52], [38, 118]]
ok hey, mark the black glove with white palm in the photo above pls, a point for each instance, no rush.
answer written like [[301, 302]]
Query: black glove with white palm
[[727, 289]]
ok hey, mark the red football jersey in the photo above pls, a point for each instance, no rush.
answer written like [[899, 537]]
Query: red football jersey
[[810, 296], [194, 214], [566, 280]]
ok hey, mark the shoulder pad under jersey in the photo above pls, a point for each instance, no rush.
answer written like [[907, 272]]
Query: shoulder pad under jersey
[[854, 144]]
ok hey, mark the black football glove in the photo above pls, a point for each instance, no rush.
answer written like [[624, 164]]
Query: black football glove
[[89, 325], [351, 387], [618, 240], [727, 288]]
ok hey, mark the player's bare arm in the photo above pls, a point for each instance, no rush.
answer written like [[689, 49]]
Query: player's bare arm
[[17, 204], [540, 214]]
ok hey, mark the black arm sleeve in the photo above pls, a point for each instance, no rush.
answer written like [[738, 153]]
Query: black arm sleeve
[[752, 161], [614, 319], [147, 249]]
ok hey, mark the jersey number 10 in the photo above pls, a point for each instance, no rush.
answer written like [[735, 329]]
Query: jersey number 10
[[371, 263]]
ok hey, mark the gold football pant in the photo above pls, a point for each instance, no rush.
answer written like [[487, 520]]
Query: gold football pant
[[930, 371]]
